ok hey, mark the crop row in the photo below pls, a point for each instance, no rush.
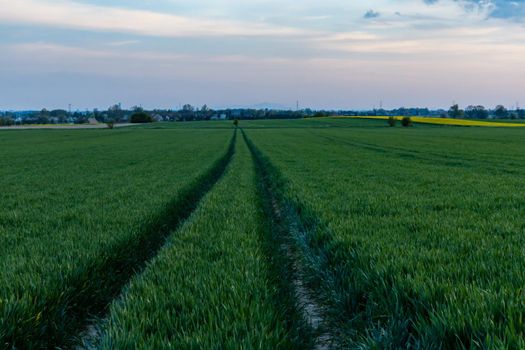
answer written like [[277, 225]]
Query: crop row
[[211, 286], [81, 213], [321, 233], [404, 252]]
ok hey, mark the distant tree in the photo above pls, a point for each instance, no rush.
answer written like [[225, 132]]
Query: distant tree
[[188, 108], [115, 113], [6, 121], [520, 113], [406, 121], [115, 108], [455, 112], [501, 112], [141, 117], [110, 124], [404, 111], [205, 112], [476, 112], [260, 114], [392, 121], [188, 112], [307, 112], [42, 117]]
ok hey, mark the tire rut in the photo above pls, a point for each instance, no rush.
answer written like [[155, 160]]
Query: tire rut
[[289, 230], [85, 303]]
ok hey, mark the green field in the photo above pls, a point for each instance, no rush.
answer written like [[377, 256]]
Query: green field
[[328, 233]]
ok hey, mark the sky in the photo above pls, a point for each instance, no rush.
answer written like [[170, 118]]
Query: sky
[[331, 54]]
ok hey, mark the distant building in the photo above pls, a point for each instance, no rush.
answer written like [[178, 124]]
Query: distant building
[[92, 121], [157, 118], [222, 117]]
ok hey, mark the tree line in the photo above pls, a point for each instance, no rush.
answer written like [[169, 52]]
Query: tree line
[[116, 114], [480, 112]]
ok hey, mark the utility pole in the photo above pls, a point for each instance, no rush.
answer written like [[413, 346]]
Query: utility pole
[[297, 106]]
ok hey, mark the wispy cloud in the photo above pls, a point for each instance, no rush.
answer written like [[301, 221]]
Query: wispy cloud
[[408, 51], [68, 14], [123, 43]]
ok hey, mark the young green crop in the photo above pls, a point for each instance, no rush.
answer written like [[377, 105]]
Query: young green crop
[[80, 211], [210, 286], [416, 234], [412, 236]]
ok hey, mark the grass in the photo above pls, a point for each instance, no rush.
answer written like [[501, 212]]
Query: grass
[[83, 211], [416, 237], [405, 237], [210, 286]]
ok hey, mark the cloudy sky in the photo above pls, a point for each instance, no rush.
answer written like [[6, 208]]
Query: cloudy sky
[[326, 54]]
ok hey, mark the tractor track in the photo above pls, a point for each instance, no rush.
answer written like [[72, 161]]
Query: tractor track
[[84, 304], [287, 231]]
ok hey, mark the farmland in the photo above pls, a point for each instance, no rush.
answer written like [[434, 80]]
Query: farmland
[[78, 210], [211, 284], [313, 233], [452, 121], [413, 238]]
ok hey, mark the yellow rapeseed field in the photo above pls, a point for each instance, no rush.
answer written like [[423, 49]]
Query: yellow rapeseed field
[[448, 121]]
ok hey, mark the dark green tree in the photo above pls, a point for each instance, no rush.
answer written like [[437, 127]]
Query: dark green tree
[[476, 112], [501, 112], [141, 117], [455, 111], [406, 121], [6, 121]]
